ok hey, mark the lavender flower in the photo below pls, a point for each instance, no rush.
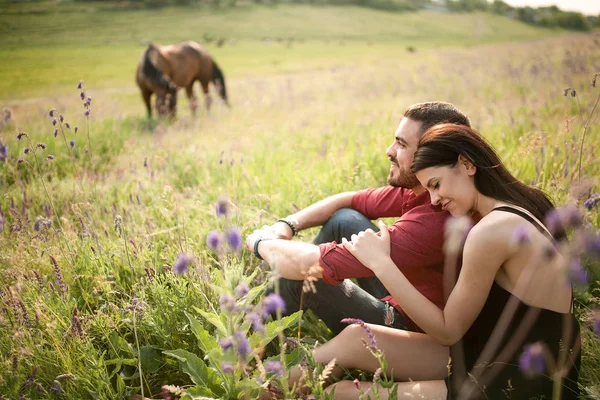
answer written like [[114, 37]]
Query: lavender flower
[[182, 264], [234, 238], [56, 388], [241, 290], [226, 343], [592, 201], [227, 367], [87, 113], [61, 118], [51, 113], [242, 345], [592, 245], [521, 235], [561, 219], [76, 329], [55, 133], [275, 368], [533, 359], [67, 125], [3, 152], [72, 143], [273, 303], [80, 86], [578, 276], [54, 122], [222, 208], [75, 129], [50, 157], [372, 344], [214, 240], [228, 304], [256, 322], [1, 221]]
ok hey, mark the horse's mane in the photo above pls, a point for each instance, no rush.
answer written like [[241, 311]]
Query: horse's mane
[[151, 71]]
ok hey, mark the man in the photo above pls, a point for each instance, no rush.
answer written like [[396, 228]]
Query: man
[[417, 238]]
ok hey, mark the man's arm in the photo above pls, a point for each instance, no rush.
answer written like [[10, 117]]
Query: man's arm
[[290, 259], [314, 215]]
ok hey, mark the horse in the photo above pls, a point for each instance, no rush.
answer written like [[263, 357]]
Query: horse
[[164, 69]]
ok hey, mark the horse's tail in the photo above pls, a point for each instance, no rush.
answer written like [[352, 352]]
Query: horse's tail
[[153, 73], [219, 81]]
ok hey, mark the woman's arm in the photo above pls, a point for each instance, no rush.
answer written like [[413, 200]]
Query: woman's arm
[[484, 252]]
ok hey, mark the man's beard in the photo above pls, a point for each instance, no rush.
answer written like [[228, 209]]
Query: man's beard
[[403, 179]]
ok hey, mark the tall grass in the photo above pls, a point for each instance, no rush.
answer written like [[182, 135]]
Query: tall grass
[[117, 219]]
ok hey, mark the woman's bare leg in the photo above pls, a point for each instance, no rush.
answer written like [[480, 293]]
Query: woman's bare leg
[[429, 390], [409, 355]]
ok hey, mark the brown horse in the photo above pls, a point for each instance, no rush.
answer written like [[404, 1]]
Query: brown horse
[[163, 69]]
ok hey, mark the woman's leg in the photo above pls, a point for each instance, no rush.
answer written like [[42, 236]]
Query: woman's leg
[[409, 355], [429, 390]]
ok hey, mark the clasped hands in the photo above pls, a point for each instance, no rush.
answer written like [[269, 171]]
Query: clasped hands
[[370, 248], [278, 230]]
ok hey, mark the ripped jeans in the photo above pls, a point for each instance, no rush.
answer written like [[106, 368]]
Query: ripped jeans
[[332, 303]]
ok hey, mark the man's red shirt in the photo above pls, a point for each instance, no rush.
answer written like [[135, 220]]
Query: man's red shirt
[[417, 240]]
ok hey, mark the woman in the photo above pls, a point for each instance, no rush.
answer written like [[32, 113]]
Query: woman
[[508, 262]]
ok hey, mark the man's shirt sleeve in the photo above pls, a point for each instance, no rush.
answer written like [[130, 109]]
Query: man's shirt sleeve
[[382, 202]]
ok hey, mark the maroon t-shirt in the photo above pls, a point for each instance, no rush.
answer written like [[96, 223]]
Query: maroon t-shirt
[[417, 240]]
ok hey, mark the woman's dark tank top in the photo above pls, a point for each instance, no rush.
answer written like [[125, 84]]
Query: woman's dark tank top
[[499, 377]]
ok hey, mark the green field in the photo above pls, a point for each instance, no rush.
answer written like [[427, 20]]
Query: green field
[[316, 94]]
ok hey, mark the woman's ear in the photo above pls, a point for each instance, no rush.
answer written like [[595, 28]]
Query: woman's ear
[[468, 165]]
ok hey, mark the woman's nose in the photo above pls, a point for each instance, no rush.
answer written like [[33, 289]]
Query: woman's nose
[[435, 199]]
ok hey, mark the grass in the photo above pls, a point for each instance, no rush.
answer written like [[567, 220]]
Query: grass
[[307, 121], [46, 44]]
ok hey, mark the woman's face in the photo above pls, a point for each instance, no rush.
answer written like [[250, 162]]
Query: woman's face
[[451, 187]]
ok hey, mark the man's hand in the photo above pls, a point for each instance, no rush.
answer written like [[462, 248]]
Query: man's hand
[[264, 232], [282, 231]]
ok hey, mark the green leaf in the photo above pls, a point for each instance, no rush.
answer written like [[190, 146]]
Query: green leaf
[[272, 329], [205, 340], [196, 393], [197, 370], [215, 321], [119, 346], [150, 358], [121, 385]]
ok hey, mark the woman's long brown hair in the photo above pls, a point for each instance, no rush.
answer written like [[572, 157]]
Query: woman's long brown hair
[[441, 145]]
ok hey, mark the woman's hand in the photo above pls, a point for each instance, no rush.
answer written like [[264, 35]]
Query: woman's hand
[[370, 248]]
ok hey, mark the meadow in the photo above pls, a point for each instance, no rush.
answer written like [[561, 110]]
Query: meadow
[[94, 303]]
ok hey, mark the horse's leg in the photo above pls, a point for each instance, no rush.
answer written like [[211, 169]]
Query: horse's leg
[[189, 90], [207, 98], [146, 93]]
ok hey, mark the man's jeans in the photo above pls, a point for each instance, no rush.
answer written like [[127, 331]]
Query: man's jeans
[[332, 303]]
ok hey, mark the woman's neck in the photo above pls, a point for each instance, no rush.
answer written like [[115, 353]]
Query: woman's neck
[[484, 204]]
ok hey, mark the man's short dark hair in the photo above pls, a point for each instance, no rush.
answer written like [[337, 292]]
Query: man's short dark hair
[[435, 112]]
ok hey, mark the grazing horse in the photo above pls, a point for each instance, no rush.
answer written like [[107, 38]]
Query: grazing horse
[[163, 69]]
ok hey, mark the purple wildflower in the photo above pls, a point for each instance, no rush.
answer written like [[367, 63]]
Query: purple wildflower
[[222, 207], [145, 161], [182, 264], [256, 322], [55, 133], [592, 245], [51, 113], [592, 201], [41, 146], [50, 157], [76, 329], [533, 359], [56, 388], [21, 134], [226, 343], [214, 240], [372, 344], [61, 118], [521, 235], [3, 152], [273, 303], [228, 304], [87, 113], [275, 368], [242, 345], [82, 95], [54, 122], [80, 85], [241, 290], [67, 125], [561, 219], [72, 143], [234, 238], [75, 129], [227, 367], [578, 276], [1, 220]]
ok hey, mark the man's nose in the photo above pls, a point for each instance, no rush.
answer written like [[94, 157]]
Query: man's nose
[[390, 152]]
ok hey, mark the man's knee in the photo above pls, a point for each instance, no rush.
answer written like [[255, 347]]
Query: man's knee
[[343, 223], [345, 216], [290, 291]]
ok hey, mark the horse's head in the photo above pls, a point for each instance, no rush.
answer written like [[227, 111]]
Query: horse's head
[[166, 101]]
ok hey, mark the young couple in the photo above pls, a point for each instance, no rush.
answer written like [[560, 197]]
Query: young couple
[[511, 294]]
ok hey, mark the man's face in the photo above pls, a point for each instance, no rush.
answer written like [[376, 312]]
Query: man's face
[[401, 154]]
